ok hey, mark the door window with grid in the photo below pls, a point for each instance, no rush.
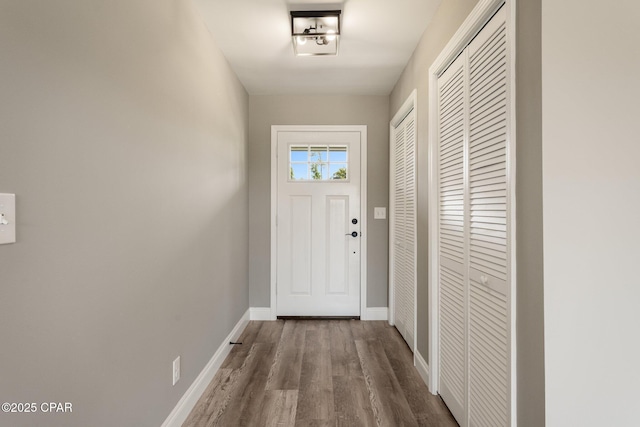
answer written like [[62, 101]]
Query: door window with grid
[[318, 162]]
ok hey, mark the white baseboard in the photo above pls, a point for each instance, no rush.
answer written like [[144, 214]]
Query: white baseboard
[[371, 313], [182, 410], [260, 313], [376, 313], [422, 367]]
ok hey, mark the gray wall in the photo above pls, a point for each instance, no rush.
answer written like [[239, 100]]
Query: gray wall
[[591, 181], [452, 13], [446, 22], [529, 233], [124, 135], [268, 110]]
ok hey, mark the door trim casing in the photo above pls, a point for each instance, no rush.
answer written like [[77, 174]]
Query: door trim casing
[[362, 129]]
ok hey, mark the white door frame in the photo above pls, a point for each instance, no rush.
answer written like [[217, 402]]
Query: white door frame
[[362, 129], [411, 103], [476, 20]]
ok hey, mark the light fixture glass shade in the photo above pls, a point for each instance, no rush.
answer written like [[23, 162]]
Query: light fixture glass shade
[[315, 32]]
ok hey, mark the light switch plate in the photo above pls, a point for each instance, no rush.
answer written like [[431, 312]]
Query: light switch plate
[[8, 216], [176, 370], [379, 213]]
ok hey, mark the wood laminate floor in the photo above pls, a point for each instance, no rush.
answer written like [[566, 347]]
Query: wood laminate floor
[[319, 373]]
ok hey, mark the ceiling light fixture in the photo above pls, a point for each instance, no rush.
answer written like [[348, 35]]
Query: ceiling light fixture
[[315, 32]]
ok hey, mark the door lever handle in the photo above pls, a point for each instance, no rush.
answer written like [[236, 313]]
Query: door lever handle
[[352, 234]]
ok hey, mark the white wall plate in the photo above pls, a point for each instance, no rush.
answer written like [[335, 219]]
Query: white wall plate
[[7, 218]]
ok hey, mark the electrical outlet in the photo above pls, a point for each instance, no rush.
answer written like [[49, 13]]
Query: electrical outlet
[[176, 370]]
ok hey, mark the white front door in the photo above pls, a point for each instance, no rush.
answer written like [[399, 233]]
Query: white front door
[[318, 210]]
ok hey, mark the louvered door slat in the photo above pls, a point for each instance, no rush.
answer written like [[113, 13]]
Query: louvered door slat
[[489, 217], [489, 248], [489, 179]]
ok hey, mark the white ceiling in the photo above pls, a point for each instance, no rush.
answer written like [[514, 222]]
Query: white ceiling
[[377, 39]]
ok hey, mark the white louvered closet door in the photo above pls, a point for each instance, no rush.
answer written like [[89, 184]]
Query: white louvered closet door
[[452, 273], [473, 229], [489, 390], [403, 214]]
